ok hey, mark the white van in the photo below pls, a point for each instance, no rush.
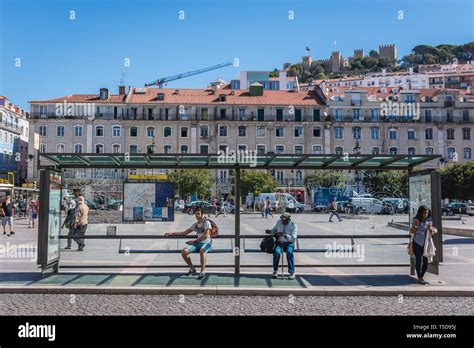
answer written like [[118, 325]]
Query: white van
[[371, 205], [292, 205]]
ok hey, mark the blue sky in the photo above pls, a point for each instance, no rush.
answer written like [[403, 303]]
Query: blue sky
[[60, 56]]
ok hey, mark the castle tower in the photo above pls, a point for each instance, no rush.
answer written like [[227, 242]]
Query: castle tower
[[388, 51], [359, 53], [335, 61], [306, 62]]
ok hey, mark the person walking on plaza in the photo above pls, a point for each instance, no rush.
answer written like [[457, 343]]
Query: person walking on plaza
[[32, 212], [421, 225], [285, 231], [268, 207], [8, 212], [202, 244], [333, 210], [262, 207], [70, 207], [81, 221]]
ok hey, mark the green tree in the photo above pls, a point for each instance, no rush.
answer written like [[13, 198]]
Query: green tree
[[256, 182], [192, 181], [373, 54], [393, 183], [274, 73], [324, 178], [457, 181]]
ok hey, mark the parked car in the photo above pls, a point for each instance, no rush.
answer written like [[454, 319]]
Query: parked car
[[349, 208], [290, 202], [445, 211], [397, 203], [91, 204], [319, 207], [470, 209], [207, 207], [458, 208], [229, 207], [371, 205], [114, 204]]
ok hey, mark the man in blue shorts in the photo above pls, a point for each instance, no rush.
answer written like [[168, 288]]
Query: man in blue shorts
[[202, 244]]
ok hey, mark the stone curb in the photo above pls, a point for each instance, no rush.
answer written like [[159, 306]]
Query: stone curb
[[231, 291]]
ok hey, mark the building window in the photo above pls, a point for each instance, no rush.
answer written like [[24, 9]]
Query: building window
[[60, 148], [77, 148], [339, 133], [429, 151], [356, 114], [242, 131], [60, 131], [42, 130], [184, 132], [204, 114], [298, 149], [260, 131], [280, 131], [411, 134], [429, 133], [338, 114], [241, 114], [99, 148], [411, 151], [204, 149], [133, 149], [316, 132], [374, 115], [133, 132], [279, 115], [279, 149], [167, 149], [223, 131], [223, 148], [150, 132], [466, 133], [451, 151], [393, 151], [43, 148], [204, 131], [339, 150], [167, 132], [99, 131], [116, 131], [467, 153], [450, 133], [242, 147], [428, 117], [317, 149], [78, 131], [392, 134], [316, 115], [375, 133], [375, 150], [356, 133], [261, 149], [116, 148], [298, 131], [184, 149]]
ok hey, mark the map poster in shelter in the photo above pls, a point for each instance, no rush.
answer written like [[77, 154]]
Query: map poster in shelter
[[148, 201]]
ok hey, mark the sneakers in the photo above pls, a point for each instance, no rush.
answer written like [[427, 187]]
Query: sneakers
[[275, 275], [12, 232], [421, 281], [292, 276], [68, 247], [191, 271], [201, 275], [80, 249]]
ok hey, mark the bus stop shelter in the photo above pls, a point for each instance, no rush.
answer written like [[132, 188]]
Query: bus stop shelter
[[425, 182]]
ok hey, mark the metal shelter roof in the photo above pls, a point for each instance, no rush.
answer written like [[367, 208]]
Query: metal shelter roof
[[216, 161]]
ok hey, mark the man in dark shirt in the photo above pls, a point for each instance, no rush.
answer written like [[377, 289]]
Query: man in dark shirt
[[8, 211]]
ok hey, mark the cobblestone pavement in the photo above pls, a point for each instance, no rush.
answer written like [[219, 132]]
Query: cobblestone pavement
[[48, 304]]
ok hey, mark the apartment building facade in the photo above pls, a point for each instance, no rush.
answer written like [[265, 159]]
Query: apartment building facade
[[322, 121]]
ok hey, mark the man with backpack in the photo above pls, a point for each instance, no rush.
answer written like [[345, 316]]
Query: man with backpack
[[205, 229]]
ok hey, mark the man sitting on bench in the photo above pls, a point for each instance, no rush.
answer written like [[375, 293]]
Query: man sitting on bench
[[201, 244], [285, 232]]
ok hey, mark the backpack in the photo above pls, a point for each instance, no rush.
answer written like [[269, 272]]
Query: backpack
[[214, 228], [268, 244]]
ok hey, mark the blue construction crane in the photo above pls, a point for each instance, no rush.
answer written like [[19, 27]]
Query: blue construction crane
[[161, 81]]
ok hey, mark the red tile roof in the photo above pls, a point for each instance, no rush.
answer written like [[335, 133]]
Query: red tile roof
[[198, 96]]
